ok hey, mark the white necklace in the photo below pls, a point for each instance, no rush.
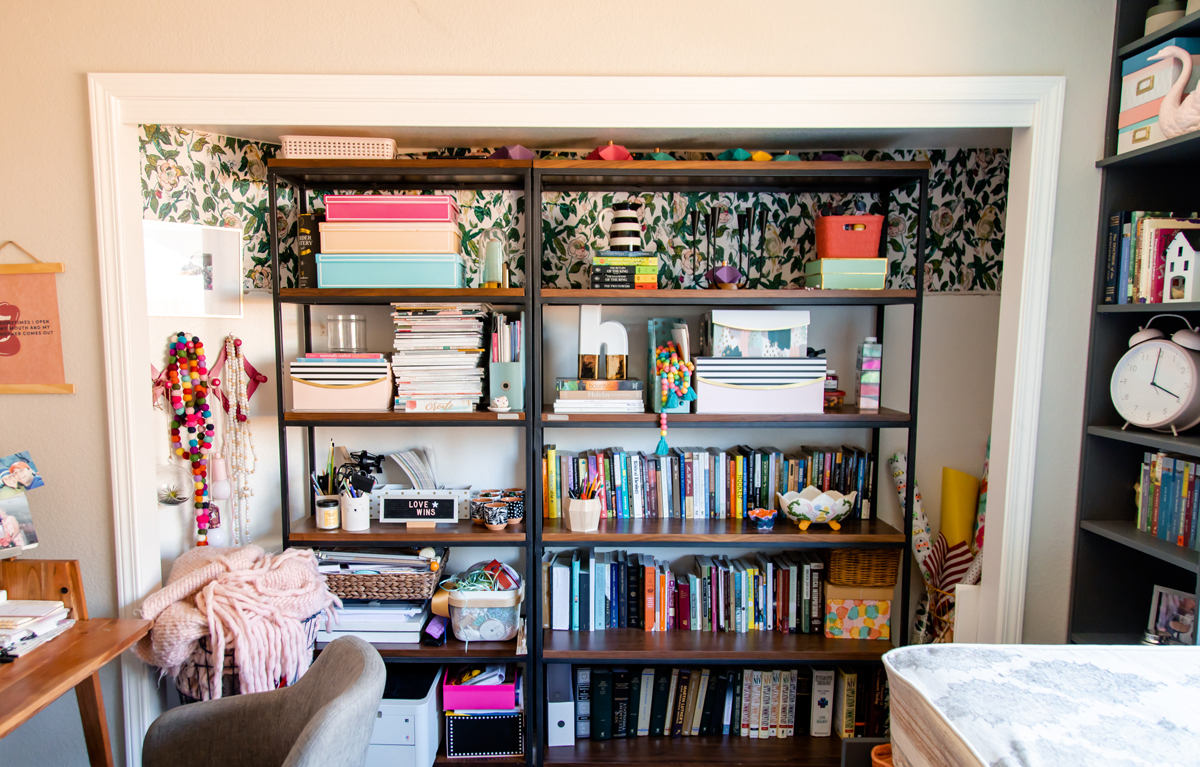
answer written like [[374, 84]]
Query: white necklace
[[239, 446]]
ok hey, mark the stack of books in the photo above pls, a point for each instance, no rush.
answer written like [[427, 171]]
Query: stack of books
[[703, 483], [28, 623], [749, 703], [625, 271], [438, 351], [377, 622], [579, 395], [586, 590], [1136, 270]]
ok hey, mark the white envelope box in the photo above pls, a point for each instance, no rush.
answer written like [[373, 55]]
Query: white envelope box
[[769, 386]]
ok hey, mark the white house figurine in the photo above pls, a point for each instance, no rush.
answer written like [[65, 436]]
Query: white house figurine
[[1180, 276]]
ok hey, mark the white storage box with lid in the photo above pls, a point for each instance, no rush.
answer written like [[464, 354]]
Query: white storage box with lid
[[485, 616], [408, 725], [337, 148], [754, 333]]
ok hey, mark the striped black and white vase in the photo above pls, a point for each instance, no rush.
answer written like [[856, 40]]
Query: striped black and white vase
[[625, 234]]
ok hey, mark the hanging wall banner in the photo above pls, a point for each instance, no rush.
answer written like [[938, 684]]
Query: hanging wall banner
[[31, 359]]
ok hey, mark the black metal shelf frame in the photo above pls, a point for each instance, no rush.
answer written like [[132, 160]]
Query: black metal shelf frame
[[532, 182]]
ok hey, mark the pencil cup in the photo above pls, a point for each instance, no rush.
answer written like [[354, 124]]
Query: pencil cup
[[516, 509], [356, 513], [583, 516], [477, 509], [496, 515], [328, 512]]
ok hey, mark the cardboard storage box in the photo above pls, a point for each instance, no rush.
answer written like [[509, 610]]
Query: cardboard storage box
[[381, 237], [408, 726], [779, 385], [373, 396], [1139, 135], [389, 270], [1143, 80], [754, 333], [856, 612]]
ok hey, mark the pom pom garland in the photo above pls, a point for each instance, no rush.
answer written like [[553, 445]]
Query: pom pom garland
[[188, 396]]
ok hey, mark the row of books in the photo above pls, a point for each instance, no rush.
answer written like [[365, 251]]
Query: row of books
[[749, 703], [1136, 267], [622, 271], [702, 483], [581, 395], [1169, 499], [437, 360], [588, 590]]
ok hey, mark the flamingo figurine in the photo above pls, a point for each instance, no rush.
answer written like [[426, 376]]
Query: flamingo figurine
[[1178, 115]]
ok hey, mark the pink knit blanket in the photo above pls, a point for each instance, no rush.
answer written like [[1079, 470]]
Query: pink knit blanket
[[241, 598]]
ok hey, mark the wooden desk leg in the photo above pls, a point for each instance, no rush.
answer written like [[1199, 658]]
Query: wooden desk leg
[[95, 723]]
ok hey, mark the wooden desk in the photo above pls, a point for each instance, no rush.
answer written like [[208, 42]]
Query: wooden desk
[[72, 659]]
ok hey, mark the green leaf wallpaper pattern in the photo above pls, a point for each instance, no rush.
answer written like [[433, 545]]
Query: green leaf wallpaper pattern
[[193, 177]]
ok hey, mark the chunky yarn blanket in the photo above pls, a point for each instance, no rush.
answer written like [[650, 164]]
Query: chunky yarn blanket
[[239, 598]]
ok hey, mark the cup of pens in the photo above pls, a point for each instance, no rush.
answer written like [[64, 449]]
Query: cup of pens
[[583, 509], [356, 512]]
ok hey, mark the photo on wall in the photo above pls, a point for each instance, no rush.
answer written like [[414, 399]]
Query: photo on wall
[[16, 524], [1173, 615], [192, 270]]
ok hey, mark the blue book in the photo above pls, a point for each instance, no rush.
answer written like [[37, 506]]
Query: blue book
[[1123, 286], [1166, 497], [575, 590]]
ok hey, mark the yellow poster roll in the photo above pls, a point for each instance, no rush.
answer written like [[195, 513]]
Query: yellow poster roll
[[960, 495]]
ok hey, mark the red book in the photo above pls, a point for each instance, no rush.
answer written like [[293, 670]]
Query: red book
[[343, 356], [683, 609]]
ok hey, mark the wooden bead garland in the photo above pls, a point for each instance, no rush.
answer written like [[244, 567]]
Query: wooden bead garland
[[188, 378]]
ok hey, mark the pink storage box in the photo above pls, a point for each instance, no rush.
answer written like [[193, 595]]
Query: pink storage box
[[1139, 113], [391, 207], [486, 697], [373, 396]]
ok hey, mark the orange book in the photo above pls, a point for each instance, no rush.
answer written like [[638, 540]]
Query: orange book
[[650, 617], [662, 607]]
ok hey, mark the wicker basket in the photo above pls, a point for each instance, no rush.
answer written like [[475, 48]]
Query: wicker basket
[[192, 683], [385, 586], [864, 567]]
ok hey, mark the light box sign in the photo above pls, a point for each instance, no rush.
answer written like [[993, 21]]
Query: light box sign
[[424, 510]]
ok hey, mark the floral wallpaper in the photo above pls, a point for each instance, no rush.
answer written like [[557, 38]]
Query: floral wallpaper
[[190, 176]]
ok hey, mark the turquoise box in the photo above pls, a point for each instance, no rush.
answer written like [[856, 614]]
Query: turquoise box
[[389, 270]]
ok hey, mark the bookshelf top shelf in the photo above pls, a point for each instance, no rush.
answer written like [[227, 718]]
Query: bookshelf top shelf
[[693, 297], [1188, 26], [1183, 150], [675, 646], [723, 532], [462, 533], [848, 416], [1127, 533], [402, 174], [383, 296]]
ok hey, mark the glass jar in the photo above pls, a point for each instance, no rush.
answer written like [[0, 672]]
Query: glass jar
[[346, 332]]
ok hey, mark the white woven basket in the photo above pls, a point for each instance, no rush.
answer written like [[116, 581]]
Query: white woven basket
[[337, 148]]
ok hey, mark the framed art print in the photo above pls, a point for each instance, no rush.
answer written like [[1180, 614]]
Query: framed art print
[[1173, 615], [192, 270]]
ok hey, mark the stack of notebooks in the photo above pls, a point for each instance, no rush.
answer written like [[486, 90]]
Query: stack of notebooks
[[438, 351], [390, 240], [28, 623], [624, 271], [586, 590], [703, 483], [749, 703], [579, 395]]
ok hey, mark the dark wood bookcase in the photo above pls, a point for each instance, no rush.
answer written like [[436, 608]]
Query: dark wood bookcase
[[1116, 566], [619, 646]]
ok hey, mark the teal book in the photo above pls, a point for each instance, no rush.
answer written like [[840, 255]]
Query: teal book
[[658, 706], [602, 704]]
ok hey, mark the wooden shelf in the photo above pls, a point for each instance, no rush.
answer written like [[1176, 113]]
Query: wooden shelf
[[453, 651], [847, 416], [1189, 446], [722, 532], [400, 295], [559, 175], [403, 174], [1183, 149], [389, 418], [802, 751], [619, 645], [1187, 26], [1126, 533], [677, 297], [463, 533]]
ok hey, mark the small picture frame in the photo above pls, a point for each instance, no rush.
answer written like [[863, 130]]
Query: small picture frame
[[1173, 616], [192, 270]]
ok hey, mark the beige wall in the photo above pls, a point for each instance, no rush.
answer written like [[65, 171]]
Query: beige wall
[[47, 205]]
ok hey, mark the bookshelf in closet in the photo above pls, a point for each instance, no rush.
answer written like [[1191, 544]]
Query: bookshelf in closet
[[540, 426], [1116, 565]]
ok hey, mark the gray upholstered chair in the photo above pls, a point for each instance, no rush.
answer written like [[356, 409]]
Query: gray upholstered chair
[[323, 720]]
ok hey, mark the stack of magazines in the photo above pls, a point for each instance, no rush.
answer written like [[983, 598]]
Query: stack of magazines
[[28, 623], [438, 351]]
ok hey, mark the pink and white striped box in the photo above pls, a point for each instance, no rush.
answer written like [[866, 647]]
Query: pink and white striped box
[[442, 208]]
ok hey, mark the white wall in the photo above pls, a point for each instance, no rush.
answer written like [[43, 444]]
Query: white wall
[[46, 182]]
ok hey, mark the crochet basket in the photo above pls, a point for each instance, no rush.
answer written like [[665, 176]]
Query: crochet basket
[[386, 586], [864, 567], [192, 684]]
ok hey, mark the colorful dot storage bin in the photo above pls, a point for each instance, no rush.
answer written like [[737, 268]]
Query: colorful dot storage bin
[[858, 613]]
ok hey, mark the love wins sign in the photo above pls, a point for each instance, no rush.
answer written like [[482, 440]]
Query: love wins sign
[[422, 509]]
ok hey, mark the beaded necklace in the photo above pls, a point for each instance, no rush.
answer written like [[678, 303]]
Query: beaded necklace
[[238, 445], [188, 376]]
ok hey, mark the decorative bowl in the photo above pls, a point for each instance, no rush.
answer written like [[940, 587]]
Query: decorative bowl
[[762, 519], [811, 505]]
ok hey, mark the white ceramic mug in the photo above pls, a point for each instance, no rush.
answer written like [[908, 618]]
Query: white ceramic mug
[[356, 513]]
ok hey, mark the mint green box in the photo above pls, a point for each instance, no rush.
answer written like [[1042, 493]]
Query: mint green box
[[846, 273]]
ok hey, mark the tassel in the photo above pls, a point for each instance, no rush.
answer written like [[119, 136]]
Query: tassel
[[662, 448], [672, 400], [689, 395]]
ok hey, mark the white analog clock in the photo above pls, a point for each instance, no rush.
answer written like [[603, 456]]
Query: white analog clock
[[1155, 384]]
